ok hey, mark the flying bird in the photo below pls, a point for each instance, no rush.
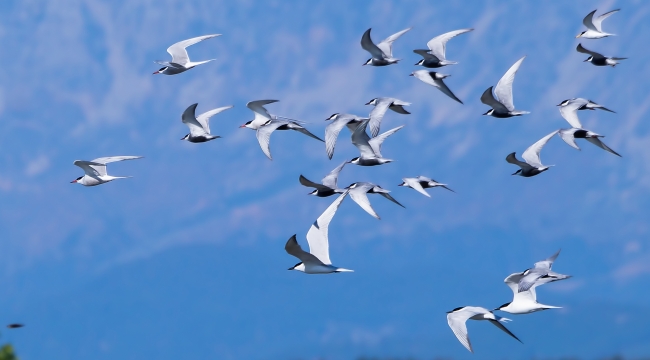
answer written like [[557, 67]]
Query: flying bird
[[420, 183], [597, 58], [569, 110], [382, 53], [435, 56], [435, 79], [570, 135], [370, 149], [525, 302], [96, 170], [359, 193], [262, 116], [532, 165], [594, 26], [329, 185], [199, 125], [502, 105], [264, 132], [382, 104], [458, 317], [180, 59], [540, 270], [317, 260], [332, 130]]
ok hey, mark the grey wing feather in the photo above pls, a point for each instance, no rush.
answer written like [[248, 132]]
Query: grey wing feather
[[369, 46], [376, 115], [503, 90], [445, 89], [360, 196], [500, 326], [298, 128], [189, 119], [511, 158], [264, 136], [362, 141], [331, 179], [598, 22], [293, 248], [457, 321], [488, 99], [425, 54], [596, 141], [389, 197], [588, 21], [582, 49], [204, 119], [178, 51], [531, 155], [438, 44], [317, 236], [570, 112], [569, 138], [332, 131], [375, 143], [386, 46], [308, 183]]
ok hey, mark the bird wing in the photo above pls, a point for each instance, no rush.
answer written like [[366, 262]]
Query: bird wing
[[101, 168], [317, 234], [261, 114], [293, 248], [582, 49], [503, 90], [415, 185], [596, 141], [178, 51], [332, 131], [389, 197], [438, 44], [511, 158], [588, 21], [598, 22], [375, 143], [570, 112], [377, 114], [425, 54], [361, 140], [488, 99], [91, 168], [398, 106], [513, 281], [299, 128], [548, 262], [264, 135], [569, 138], [386, 46], [308, 183], [502, 327], [457, 322], [369, 46], [331, 179], [204, 119], [531, 155], [360, 196], [440, 84], [189, 119]]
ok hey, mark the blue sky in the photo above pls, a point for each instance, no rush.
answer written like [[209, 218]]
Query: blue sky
[[186, 259]]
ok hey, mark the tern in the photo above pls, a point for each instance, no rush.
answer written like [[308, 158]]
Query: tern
[[502, 105], [180, 60], [458, 317], [597, 58], [200, 125], [96, 170], [570, 135], [532, 165], [435, 79], [262, 116], [420, 183], [524, 302], [594, 26], [264, 132], [317, 260], [435, 56], [370, 149], [359, 193], [540, 270], [382, 53], [382, 104], [569, 109], [339, 121], [329, 183]]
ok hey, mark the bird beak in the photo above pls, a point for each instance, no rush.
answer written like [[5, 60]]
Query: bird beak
[[516, 173], [242, 126], [585, 60], [290, 269], [157, 72], [560, 104], [410, 74], [579, 35], [368, 103], [73, 181]]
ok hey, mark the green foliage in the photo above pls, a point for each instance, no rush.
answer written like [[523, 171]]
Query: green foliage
[[7, 352]]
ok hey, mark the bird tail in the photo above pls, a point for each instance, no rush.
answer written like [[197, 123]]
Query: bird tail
[[343, 270], [448, 62]]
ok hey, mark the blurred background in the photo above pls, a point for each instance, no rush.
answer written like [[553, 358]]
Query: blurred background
[[186, 259]]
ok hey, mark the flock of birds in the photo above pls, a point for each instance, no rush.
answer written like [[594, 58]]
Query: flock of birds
[[499, 98]]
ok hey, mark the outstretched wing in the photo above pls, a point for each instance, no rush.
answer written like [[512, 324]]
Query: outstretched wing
[[582, 49], [488, 99], [331, 179], [569, 138], [415, 185], [570, 112], [500, 326], [101, 169], [531, 155], [598, 22], [293, 248], [308, 183], [360, 196], [375, 143], [189, 119], [361, 140], [178, 51], [264, 135], [369, 46], [438, 44], [317, 234], [596, 141], [91, 168], [503, 90], [204, 119], [261, 115], [386, 46], [457, 322], [377, 114], [425, 54]]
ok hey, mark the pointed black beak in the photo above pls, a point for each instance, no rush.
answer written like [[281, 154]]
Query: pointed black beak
[[410, 74]]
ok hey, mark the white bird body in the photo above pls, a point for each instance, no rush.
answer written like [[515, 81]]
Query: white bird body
[[317, 260], [435, 56], [524, 302], [382, 53], [180, 59], [199, 125], [420, 183], [532, 164], [436, 80], [370, 149], [458, 317], [503, 105], [95, 170]]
